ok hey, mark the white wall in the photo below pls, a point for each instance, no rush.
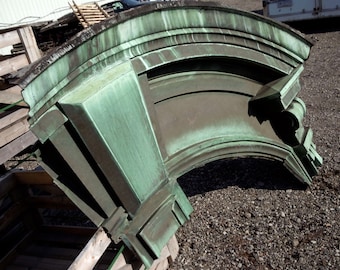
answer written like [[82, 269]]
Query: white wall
[[19, 12]]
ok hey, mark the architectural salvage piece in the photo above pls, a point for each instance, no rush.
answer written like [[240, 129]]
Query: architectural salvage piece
[[130, 104]]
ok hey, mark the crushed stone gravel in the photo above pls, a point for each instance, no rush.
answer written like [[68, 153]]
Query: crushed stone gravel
[[252, 214]]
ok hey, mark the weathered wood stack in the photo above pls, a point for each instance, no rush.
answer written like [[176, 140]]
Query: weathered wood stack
[[89, 14], [29, 240], [14, 129]]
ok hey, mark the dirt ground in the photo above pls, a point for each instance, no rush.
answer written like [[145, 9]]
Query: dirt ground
[[252, 214]]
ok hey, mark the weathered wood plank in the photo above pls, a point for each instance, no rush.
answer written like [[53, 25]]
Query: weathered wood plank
[[38, 177], [16, 146], [4, 262], [13, 125], [92, 252], [28, 39], [173, 249], [12, 118], [11, 214], [64, 235], [13, 64], [51, 189], [102, 10], [7, 183], [89, 14], [51, 252], [16, 267], [12, 95], [55, 202], [9, 38], [32, 262], [13, 131], [66, 231], [121, 264]]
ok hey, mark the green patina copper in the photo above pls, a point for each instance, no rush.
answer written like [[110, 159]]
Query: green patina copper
[[129, 105]]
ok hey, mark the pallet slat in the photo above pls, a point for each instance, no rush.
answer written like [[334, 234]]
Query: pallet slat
[[11, 214], [52, 252], [92, 252], [13, 131], [55, 202], [32, 262], [89, 14], [9, 38], [61, 235], [13, 125], [12, 118], [13, 64], [7, 183], [4, 262], [38, 177], [50, 189], [12, 95], [16, 146]]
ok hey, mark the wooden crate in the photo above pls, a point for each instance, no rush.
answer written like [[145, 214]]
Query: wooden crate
[[39, 230]]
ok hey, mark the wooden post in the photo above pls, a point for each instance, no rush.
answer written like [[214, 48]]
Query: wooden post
[[28, 40]]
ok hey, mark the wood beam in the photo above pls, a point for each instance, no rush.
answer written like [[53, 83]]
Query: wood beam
[[12, 95], [9, 38], [28, 40], [13, 64], [16, 146]]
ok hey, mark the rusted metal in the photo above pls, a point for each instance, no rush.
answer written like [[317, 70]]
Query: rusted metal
[[130, 104]]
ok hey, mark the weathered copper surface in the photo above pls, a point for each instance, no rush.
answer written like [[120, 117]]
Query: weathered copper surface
[[129, 105]]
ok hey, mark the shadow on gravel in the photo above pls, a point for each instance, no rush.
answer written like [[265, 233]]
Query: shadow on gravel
[[244, 173]]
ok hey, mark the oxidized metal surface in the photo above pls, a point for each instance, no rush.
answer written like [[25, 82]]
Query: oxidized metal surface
[[132, 103]]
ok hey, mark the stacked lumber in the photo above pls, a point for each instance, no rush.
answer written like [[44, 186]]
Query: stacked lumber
[[14, 129], [89, 14], [32, 53]]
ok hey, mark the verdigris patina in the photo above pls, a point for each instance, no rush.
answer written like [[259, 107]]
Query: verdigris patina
[[130, 104]]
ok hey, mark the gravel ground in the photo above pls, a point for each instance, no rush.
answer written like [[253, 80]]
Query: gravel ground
[[252, 214]]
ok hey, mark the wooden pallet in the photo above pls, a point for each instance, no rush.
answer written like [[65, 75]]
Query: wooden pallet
[[32, 239], [89, 14]]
